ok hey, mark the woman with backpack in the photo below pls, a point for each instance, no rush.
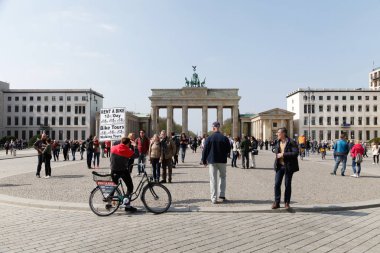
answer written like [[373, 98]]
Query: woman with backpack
[[357, 152], [375, 153]]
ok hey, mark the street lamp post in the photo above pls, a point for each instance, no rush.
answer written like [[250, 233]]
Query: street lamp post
[[309, 98]]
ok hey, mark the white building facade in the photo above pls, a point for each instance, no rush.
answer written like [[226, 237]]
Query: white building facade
[[374, 79], [61, 113], [324, 114]]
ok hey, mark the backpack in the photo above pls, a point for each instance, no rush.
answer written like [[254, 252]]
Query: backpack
[[359, 158]]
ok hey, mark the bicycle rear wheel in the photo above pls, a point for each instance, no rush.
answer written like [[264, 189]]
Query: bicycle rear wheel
[[156, 198], [103, 205]]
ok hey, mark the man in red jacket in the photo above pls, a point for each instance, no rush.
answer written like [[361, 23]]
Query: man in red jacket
[[143, 146], [120, 155]]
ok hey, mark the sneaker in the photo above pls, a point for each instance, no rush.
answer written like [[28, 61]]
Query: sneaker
[[213, 201], [357, 176], [47, 177], [353, 175], [38, 176], [333, 174], [222, 199], [373, 163], [342, 174], [130, 209]]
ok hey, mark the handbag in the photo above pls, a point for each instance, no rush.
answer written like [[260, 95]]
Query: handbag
[[255, 152]]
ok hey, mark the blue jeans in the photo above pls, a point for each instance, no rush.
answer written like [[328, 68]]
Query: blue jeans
[[280, 173], [354, 164], [141, 160], [96, 158], [338, 160], [183, 153], [234, 158]]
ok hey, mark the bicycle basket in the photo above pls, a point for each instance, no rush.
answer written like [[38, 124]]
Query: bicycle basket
[[103, 179]]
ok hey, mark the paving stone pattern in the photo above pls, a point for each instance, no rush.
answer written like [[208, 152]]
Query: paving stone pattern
[[39, 230], [72, 182]]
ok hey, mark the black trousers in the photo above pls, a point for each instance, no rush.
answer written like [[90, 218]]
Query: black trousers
[[280, 173], [245, 160], [126, 176], [39, 165], [47, 167], [89, 159]]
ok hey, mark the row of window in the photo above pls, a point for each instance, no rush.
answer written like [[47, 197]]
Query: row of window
[[350, 134], [53, 134], [78, 109], [321, 98], [337, 122], [46, 98], [45, 121], [344, 108]]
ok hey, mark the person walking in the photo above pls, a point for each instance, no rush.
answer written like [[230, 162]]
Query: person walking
[[357, 154], [235, 151], [245, 148], [375, 153], [89, 151], [46, 154], [254, 151], [65, 150], [341, 151], [154, 157], [266, 143], [74, 147], [286, 164], [183, 142], [215, 152], [108, 147], [82, 148], [40, 145], [167, 152], [177, 145], [6, 146], [142, 144], [96, 152]]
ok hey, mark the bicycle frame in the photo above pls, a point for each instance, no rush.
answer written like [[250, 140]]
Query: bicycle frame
[[138, 190]]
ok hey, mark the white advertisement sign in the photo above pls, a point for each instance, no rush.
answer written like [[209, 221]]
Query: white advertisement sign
[[112, 124]]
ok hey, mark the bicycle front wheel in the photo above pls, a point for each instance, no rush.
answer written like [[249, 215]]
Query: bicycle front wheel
[[156, 198], [103, 205]]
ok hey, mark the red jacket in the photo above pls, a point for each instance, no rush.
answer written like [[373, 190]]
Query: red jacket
[[120, 155], [357, 149], [143, 145]]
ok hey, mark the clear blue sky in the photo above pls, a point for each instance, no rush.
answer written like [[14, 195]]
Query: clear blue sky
[[125, 48]]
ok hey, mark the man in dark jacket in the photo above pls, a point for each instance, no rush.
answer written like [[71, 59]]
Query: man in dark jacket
[[245, 148], [215, 153], [40, 145], [286, 163], [120, 155]]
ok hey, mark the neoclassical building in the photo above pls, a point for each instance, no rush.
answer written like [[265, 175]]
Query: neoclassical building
[[264, 125]]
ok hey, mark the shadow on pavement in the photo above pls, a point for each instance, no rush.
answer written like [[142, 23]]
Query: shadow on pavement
[[68, 176], [12, 185], [347, 213], [191, 182]]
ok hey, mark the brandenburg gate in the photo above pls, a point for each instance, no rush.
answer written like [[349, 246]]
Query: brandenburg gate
[[195, 95], [186, 98]]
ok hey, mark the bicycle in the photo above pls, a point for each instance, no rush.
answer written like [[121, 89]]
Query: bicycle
[[106, 197]]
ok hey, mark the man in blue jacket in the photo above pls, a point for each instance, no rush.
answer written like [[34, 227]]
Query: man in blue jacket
[[215, 153], [340, 154]]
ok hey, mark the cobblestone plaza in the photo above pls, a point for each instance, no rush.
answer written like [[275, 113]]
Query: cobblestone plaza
[[52, 215]]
